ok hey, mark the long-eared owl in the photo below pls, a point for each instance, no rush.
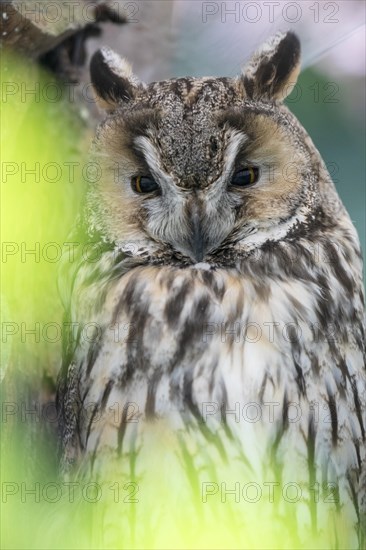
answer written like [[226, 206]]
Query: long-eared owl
[[225, 292]]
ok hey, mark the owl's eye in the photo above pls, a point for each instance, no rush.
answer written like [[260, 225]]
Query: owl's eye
[[144, 184], [246, 176]]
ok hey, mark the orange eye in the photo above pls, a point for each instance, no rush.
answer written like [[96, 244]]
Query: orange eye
[[246, 176], [144, 184]]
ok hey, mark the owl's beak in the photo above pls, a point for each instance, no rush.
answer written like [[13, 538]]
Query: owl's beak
[[196, 236]]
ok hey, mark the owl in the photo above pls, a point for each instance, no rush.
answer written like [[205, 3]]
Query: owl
[[219, 310]]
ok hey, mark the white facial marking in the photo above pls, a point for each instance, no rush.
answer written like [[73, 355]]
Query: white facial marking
[[203, 266]]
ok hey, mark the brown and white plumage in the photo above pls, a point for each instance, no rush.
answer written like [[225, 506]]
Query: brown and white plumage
[[207, 294]]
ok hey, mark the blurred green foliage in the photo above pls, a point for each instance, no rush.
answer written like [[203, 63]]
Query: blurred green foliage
[[39, 199]]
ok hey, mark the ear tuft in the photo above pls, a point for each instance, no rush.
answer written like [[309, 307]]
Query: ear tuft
[[272, 72], [112, 79]]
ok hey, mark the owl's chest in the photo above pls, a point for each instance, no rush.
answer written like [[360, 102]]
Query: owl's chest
[[213, 344], [208, 328]]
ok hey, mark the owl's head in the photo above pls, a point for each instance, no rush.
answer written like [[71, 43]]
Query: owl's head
[[192, 167]]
